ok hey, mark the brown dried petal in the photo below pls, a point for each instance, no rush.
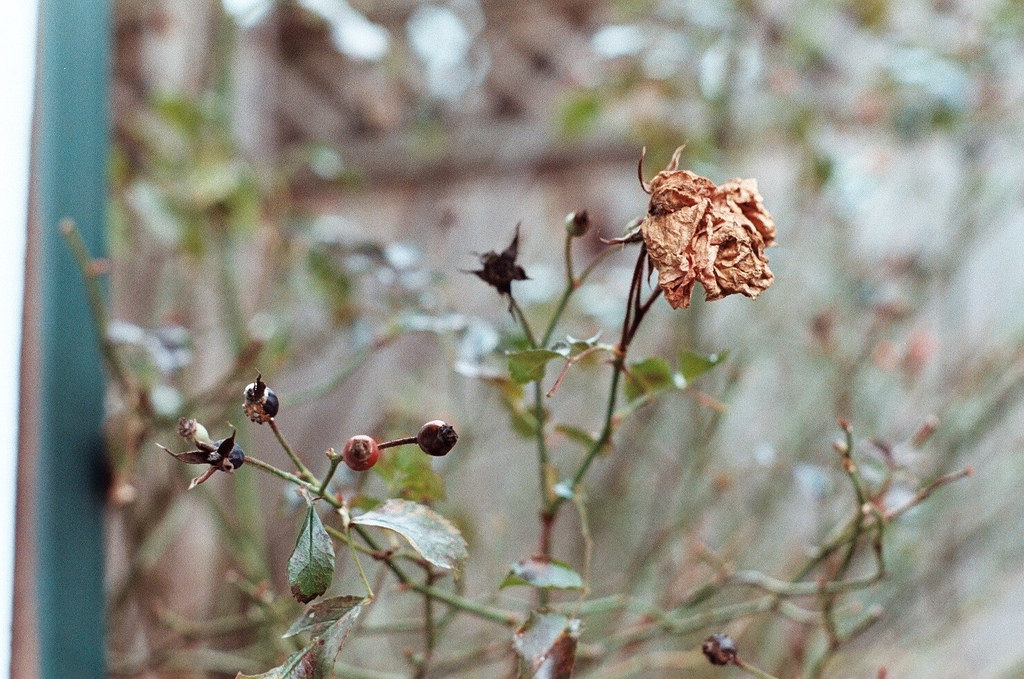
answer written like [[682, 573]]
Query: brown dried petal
[[744, 195], [695, 231], [728, 256]]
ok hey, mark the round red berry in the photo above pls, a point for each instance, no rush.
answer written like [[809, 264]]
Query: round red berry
[[360, 453]]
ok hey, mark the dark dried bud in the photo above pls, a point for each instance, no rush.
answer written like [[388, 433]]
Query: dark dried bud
[[577, 223], [261, 402], [499, 270], [719, 649], [436, 438], [231, 454], [224, 455], [360, 453]]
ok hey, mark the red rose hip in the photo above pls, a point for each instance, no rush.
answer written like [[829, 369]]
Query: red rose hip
[[360, 453]]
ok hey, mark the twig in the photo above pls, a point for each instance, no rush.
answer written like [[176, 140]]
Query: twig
[[292, 455], [925, 492]]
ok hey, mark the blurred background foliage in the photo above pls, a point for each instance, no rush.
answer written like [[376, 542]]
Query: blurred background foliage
[[299, 186]]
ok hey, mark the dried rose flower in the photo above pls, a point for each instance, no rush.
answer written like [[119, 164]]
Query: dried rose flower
[[715, 235], [499, 270]]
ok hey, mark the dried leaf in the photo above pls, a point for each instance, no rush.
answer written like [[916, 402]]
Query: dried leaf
[[330, 622], [697, 232], [547, 642], [320, 616]]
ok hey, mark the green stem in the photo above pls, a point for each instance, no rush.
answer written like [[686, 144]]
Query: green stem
[[292, 455], [606, 429], [570, 287], [346, 537], [517, 312], [429, 631], [543, 459], [335, 461], [454, 600], [359, 566], [750, 669], [281, 474]]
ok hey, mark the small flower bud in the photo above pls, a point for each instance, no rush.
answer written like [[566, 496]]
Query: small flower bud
[[577, 223], [360, 453], [194, 430], [719, 649], [925, 431], [261, 402], [436, 438]]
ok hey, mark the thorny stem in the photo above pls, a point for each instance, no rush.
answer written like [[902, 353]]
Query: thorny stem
[[572, 283], [292, 455]]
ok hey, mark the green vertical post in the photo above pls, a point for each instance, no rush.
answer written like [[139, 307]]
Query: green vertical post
[[70, 156]]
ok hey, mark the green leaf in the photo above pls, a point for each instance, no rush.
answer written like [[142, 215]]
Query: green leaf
[[580, 113], [430, 534], [523, 421], [571, 346], [322, 615], [547, 643], [528, 366], [408, 474], [311, 566], [692, 365], [581, 436], [544, 573], [646, 376]]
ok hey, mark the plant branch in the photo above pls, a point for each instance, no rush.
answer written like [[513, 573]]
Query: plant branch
[[292, 455]]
